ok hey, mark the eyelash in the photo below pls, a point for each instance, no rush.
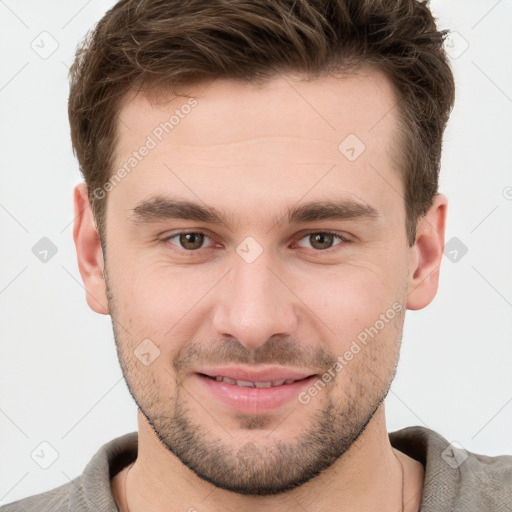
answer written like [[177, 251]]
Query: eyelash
[[191, 252]]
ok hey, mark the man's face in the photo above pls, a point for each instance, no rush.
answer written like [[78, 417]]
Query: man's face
[[259, 298]]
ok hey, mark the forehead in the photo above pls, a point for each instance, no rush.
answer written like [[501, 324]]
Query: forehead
[[360, 102], [276, 139]]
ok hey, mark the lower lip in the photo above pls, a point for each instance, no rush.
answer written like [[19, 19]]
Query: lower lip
[[248, 400]]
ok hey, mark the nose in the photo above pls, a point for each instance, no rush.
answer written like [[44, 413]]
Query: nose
[[254, 303]]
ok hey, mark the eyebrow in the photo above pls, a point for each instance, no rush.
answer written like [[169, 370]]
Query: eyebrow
[[160, 208]]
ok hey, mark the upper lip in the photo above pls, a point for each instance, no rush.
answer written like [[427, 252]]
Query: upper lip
[[269, 374]]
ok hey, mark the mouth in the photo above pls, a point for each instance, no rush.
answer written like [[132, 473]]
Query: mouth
[[247, 391], [253, 384]]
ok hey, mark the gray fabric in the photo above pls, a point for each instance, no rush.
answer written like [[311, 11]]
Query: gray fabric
[[479, 484]]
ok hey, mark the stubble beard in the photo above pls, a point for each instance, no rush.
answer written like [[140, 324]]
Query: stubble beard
[[257, 468]]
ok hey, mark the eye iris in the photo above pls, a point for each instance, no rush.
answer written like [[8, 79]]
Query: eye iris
[[191, 240], [321, 240], [195, 240]]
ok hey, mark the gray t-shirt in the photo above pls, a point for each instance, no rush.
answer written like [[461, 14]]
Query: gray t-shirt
[[455, 480]]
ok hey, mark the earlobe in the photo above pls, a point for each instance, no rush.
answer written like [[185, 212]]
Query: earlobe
[[426, 255], [89, 252]]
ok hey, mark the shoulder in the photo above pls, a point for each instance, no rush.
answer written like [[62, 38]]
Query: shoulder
[[457, 479], [54, 500], [486, 481]]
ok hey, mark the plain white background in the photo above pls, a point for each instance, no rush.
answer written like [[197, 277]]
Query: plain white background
[[60, 379]]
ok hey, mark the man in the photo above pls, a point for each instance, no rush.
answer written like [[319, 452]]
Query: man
[[260, 208]]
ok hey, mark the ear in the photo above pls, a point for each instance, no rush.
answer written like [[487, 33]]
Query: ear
[[89, 252], [426, 254]]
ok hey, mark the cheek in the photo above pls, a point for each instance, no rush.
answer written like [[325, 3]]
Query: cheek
[[159, 302], [350, 298]]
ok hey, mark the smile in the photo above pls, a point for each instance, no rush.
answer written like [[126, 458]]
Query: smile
[[251, 384]]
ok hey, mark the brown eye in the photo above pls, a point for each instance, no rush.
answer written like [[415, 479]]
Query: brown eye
[[191, 241], [321, 240]]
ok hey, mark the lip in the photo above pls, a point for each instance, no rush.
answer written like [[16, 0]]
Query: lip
[[272, 373], [249, 400]]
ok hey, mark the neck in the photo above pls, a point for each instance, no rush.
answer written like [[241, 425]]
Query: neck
[[367, 477]]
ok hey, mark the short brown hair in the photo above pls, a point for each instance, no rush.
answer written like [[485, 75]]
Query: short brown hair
[[168, 43]]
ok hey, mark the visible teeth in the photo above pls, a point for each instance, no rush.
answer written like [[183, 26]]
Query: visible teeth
[[245, 383], [250, 384], [263, 384]]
